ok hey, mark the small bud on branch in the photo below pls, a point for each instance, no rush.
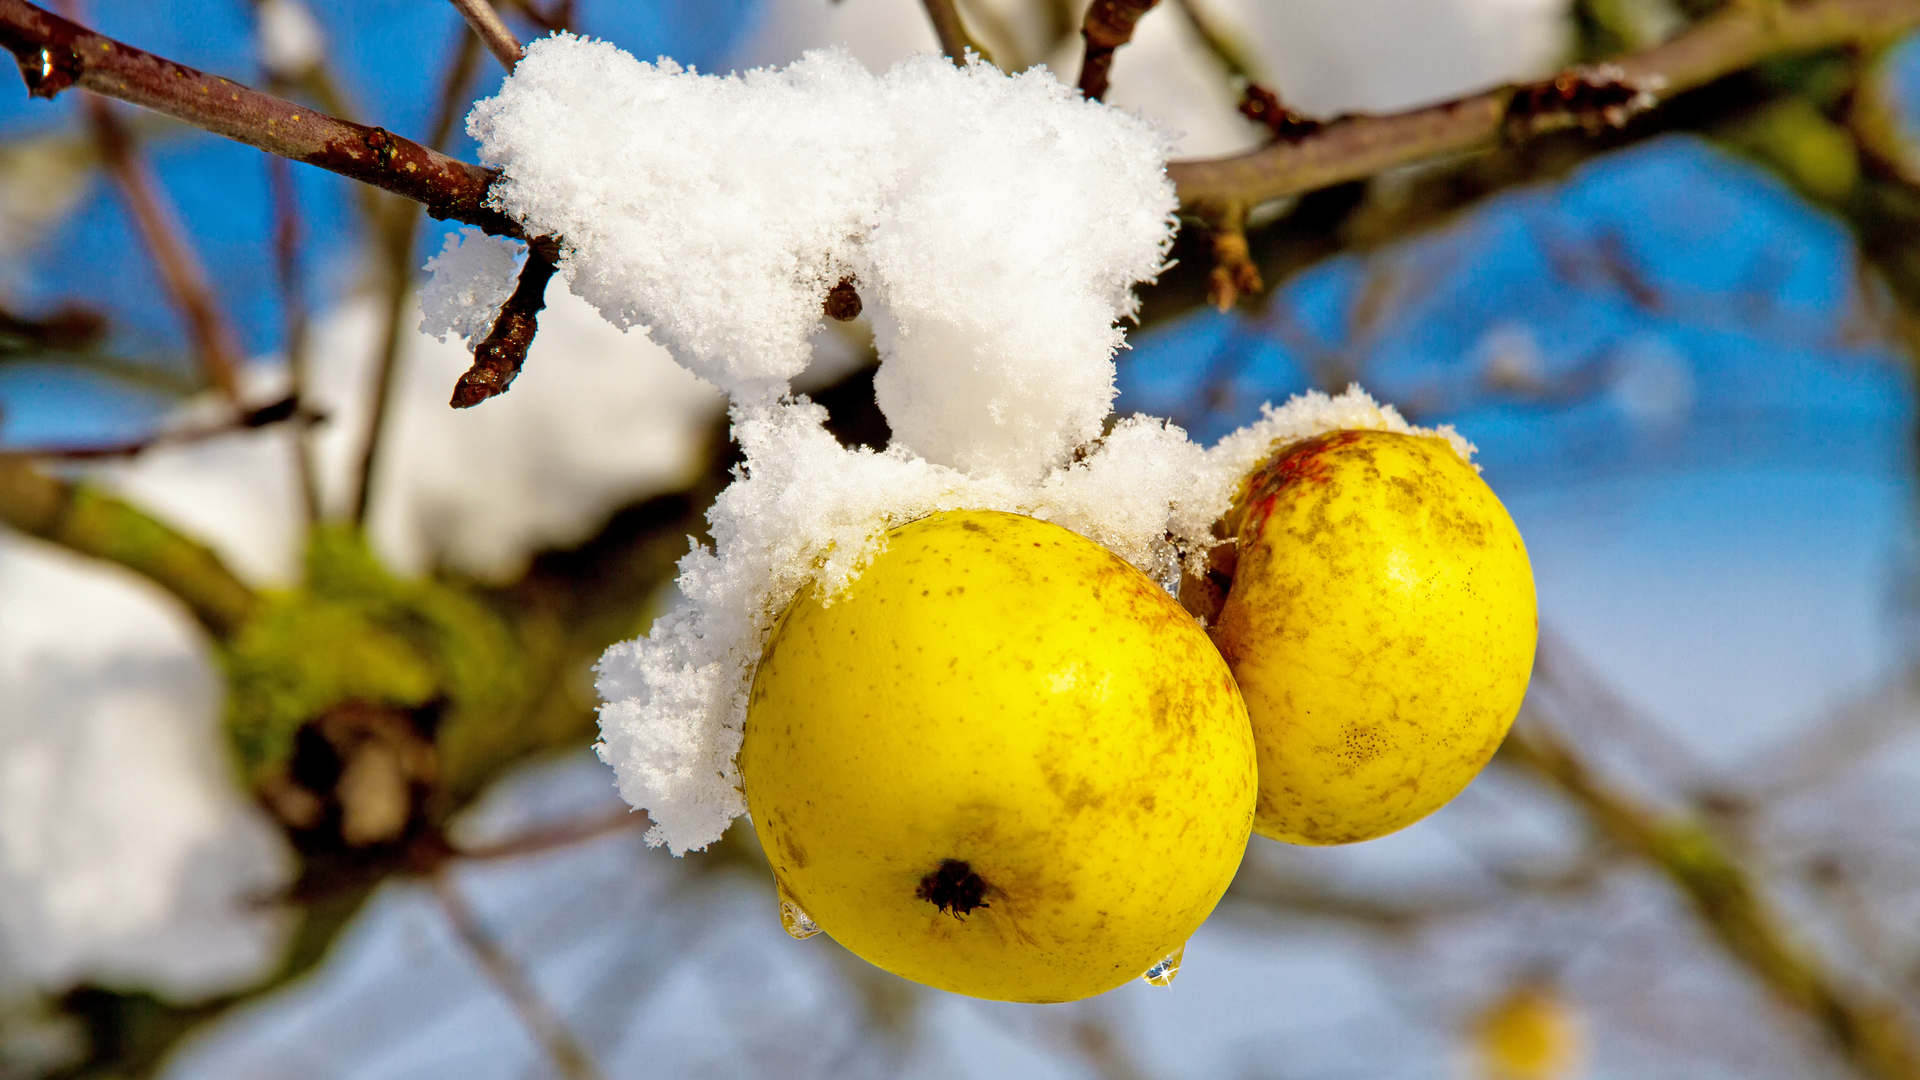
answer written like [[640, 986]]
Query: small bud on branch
[[497, 360]]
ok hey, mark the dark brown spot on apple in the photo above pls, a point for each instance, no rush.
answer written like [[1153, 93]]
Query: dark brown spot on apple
[[953, 887]]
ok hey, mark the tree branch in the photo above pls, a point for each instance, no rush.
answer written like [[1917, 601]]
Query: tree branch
[[1868, 1032], [87, 521], [395, 234], [1359, 146], [497, 360], [54, 54], [293, 305], [1109, 25], [491, 31], [550, 837], [569, 1058], [180, 271], [955, 42]]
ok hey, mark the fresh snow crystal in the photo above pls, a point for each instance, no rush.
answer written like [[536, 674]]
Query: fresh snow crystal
[[473, 276], [995, 226]]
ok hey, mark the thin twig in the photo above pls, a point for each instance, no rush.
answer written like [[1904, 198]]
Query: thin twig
[[293, 306], [277, 412], [1357, 147], [55, 54], [1232, 55], [547, 838], [395, 236], [497, 359], [82, 519], [955, 42], [488, 28], [562, 1047], [180, 269], [1109, 25], [1234, 274]]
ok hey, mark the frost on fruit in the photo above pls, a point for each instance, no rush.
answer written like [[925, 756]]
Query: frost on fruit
[[994, 225]]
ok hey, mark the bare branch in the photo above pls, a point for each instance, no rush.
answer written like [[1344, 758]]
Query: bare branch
[[54, 54], [1109, 25], [569, 1058], [955, 42], [489, 29], [548, 838], [180, 269], [497, 360], [1870, 1033], [84, 520], [395, 234], [1234, 273], [293, 304], [276, 412], [1356, 147]]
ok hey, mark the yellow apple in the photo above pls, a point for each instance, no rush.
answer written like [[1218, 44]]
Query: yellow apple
[[1381, 626], [1003, 762]]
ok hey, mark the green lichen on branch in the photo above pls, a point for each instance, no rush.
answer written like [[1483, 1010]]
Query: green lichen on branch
[[356, 633], [91, 522]]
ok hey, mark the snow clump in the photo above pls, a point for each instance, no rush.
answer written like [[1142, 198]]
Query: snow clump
[[994, 225], [473, 276]]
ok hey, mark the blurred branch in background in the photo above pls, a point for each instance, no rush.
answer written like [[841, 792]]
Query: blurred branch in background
[[87, 521], [395, 230], [1872, 1034], [180, 268], [487, 26], [955, 42], [562, 1047]]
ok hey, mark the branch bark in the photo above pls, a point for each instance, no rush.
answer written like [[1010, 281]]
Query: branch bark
[[497, 360], [490, 30], [1108, 26], [55, 54], [1359, 146], [89, 522]]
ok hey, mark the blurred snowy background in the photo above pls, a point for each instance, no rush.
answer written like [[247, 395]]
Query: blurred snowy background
[[1683, 378]]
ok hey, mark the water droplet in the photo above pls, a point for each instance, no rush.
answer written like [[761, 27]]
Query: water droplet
[[795, 921], [1162, 973]]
